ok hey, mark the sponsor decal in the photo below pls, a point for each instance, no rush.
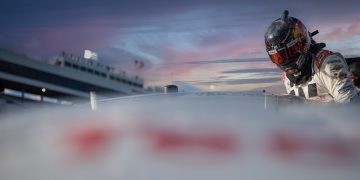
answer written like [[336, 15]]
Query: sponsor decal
[[283, 76], [346, 89], [298, 33], [334, 61], [89, 140], [166, 140], [321, 57], [318, 149], [336, 68]]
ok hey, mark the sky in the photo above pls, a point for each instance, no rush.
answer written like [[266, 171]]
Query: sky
[[206, 45]]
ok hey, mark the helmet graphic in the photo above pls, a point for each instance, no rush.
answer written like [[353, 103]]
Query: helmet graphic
[[288, 43]]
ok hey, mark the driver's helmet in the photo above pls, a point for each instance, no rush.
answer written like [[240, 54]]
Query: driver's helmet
[[288, 43]]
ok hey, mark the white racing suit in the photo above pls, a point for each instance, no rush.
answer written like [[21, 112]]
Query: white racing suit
[[330, 82]]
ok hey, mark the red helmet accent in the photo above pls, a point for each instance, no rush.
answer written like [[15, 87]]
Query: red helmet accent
[[287, 43]]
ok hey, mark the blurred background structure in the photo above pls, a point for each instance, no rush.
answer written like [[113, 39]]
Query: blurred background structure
[[24, 79]]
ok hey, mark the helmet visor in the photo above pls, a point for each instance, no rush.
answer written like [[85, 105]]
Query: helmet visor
[[286, 57]]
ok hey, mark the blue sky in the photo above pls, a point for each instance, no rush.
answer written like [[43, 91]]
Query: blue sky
[[210, 45]]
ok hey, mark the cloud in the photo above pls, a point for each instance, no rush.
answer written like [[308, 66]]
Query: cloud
[[221, 61], [252, 81], [237, 81], [210, 28], [257, 70], [177, 40], [44, 43], [241, 85], [341, 31]]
